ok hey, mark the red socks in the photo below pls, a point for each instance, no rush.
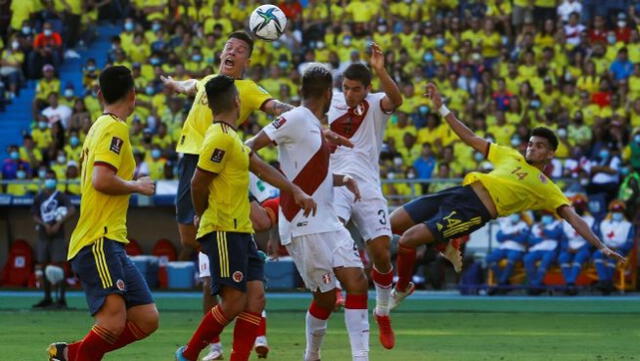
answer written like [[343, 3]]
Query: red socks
[[95, 344], [244, 335], [211, 325], [262, 329], [384, 280], [356, 302], [319, 312], [405, 264]]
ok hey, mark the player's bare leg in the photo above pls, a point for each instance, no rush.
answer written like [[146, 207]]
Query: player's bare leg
[[382, 275], [356, 315], [188, 241]]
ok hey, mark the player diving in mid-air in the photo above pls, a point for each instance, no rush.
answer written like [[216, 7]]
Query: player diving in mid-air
[[517, 183]]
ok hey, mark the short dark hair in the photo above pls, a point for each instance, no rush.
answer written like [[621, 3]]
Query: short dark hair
[[221, 93], [115, 83], [548, 134], [316, 80], [244, 36], [359, 72]]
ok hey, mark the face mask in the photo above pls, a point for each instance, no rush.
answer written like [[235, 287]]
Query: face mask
[[154, 61], [42, 173], [320, 45], [91, 68], [617, 217], [50, 183], [584, 182], [21, 174], [568, 76], [26, 30], [439, 42], [604, 154], [47, 32], [428, 57], [611, 39], [196, 58], [391, 175], [622, 24], [411, 175], [478, 156], [74, 141], [276, 44], [382, 28], [43, 125], [155, 154], [149, 90], [14, 155], [283, 64], [68, 93], [61, 159], [397, 161], [156, 26], [535, 104], [346, 41], [547, 219], [624, 171], [505, 40], [515, 142], [128, 26], [515, 218], [424, 110], [491, 140], [562, 133], [636, 138], [15, 45], [455, 58]]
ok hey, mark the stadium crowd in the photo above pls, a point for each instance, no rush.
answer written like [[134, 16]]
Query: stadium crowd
[[505, 66]]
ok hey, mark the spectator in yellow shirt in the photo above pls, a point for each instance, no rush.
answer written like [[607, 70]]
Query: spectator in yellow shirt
[[42, 135], [29, 152], [156, 164], [20, 188], [72, 179]]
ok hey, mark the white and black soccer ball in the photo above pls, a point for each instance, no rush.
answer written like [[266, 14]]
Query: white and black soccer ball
[[267, 22]]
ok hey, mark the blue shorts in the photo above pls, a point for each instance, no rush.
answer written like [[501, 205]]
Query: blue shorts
[[450, 213], [184, 206], [233, 260], [104, 269]]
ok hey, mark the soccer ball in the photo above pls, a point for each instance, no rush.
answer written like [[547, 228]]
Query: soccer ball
[[61, 212], [267, 22]]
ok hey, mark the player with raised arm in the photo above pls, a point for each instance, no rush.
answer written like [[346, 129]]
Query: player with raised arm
[[234, 60], [361, 116], [320, 246], [517, 183], [118, 296], [219, 191]]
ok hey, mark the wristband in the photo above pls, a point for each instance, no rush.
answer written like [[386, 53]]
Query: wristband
[[444, 111]]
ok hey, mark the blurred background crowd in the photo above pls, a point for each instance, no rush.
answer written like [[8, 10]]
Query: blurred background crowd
[[505, 67]]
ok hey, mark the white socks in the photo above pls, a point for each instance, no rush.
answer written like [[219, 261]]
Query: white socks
[[316, 328], [356, 317]]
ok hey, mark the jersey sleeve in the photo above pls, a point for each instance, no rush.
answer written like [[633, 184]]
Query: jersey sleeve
[[256, 95], [376, 103], [215, 151], [110, 147], [497, 153], [280, 131], [555, 199]]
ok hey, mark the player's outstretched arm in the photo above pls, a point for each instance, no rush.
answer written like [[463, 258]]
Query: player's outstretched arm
[[466, 134], [340, 180], [275, 107], [105, 180], [583, 229], [272, 176], [258, 141], [187, 87], [393, 98]]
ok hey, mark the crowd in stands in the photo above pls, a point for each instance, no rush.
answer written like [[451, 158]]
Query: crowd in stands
[[505, 66]]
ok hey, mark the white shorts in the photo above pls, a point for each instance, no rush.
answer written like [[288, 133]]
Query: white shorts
[[370, 214], [203, 265], [316, 255]]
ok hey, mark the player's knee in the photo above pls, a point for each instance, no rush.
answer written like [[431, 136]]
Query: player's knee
[[326, 300], [256, 303], [379, 250], [150, 323]]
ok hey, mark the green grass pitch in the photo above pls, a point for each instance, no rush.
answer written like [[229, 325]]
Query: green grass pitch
[[433, 329]]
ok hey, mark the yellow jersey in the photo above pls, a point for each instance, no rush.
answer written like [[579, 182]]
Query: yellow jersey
[[200, 116], [103, 215], [224, 154], [516, 186]]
